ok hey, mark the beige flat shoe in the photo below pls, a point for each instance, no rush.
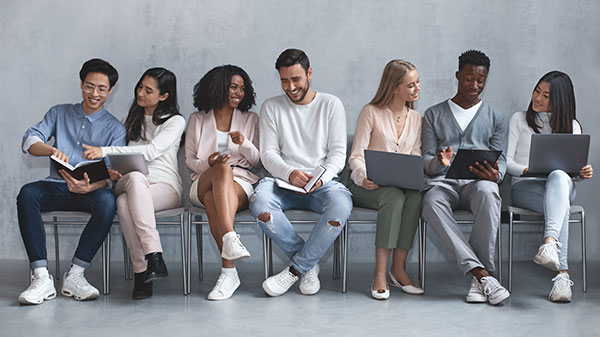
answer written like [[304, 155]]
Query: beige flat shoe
[[410, 289]]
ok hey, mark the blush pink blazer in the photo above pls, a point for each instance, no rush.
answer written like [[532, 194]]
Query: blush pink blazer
[[201, 141]]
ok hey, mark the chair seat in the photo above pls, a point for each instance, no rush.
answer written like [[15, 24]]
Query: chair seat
[[170, 212], [48, 216], [523, 211]]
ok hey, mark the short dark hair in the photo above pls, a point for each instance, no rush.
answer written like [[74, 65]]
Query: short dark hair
[[212, 91], [99, 66], [474, 57], [292, 56]]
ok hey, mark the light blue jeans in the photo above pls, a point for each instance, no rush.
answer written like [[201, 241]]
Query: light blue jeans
[[332, 200], [551, 197]]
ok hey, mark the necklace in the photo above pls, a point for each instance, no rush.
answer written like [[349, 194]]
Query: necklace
[[399, 116]]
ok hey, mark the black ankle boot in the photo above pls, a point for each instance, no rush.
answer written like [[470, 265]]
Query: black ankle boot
[[156, 267], [141, 289]]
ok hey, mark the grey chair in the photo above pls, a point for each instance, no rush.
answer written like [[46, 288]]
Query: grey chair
[[197, 216], [537, 218], [462, 217], [69, 218], [165, 218]]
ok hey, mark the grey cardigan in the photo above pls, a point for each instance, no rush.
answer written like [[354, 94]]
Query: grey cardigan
[[488, 130]]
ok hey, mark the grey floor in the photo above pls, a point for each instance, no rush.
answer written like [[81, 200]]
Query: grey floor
[[442, 311]]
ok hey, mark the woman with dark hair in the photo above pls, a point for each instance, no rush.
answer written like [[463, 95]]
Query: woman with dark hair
[[389, 123], [154, 129], [551, 110], [221, 146]]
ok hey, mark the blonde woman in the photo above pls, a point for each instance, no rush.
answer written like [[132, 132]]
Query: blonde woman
[[389, 123]]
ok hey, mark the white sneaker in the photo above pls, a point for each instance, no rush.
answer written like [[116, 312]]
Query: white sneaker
[[475, 294], [226, 285], [561, 290], [310, 284], [493, 290], [233, 247], [547, 255], [277, 285], [40, 289], [75, 285]]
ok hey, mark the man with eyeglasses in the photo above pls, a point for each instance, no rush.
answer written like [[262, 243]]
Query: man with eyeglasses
[[71, 126]]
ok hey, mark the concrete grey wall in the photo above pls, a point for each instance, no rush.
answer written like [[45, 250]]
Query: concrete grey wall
[[44, 44]]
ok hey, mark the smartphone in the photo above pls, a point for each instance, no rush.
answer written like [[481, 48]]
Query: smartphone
[[224, 153]]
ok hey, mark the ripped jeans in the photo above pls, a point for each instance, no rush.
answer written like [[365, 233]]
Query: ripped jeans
[[332, 200]]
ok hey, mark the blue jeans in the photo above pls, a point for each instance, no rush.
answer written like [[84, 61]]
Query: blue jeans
[[46, 196], [332, 200], [551, 197]]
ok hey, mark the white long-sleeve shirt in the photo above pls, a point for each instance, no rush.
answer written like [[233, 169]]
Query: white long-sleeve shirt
[[519, 140], [159, 150], [300, 137]]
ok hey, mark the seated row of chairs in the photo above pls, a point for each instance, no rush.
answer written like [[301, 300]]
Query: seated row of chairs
[[197, 217]]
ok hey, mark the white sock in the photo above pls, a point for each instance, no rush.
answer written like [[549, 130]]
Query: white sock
[[228, 270], [40, 272], [75, 269]]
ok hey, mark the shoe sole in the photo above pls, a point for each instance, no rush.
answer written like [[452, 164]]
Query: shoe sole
[[230, 257], [225, 297], [549, 264], [310, 292], [155, 277], [500, 298], [562, 299], [476, 300], [50, 296], [67, 293]]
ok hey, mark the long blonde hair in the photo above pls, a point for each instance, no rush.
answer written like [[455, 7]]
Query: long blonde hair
[[393, 73]]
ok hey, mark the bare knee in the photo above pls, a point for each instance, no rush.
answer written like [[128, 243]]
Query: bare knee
[[264, 217], [220, 171], [334, 223]]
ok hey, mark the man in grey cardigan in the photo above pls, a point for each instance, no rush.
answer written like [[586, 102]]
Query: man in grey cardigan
[[464, 121]]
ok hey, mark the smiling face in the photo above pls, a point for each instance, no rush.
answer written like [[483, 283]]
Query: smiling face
[[540, 99], [295, 83], [148, 94], [236, 91], [408, 90], [471, 81], [95, 89]]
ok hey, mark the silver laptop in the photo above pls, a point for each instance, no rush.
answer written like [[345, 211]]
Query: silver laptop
[[549, 152], [128, 162], [394, 169]]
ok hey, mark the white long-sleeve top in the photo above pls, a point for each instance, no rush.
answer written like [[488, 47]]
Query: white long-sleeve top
[[300, 137], [159, 150], [519, 140]]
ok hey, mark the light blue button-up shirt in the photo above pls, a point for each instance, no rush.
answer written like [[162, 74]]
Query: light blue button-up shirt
[[71, 127]]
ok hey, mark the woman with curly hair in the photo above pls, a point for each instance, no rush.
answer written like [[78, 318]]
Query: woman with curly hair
[[221, 147], [154, 128]]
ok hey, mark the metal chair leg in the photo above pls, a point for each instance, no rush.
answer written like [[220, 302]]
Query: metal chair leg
[[183, 255], [266, 255], [424, 248], [420, 242], [106, 265], [189, 253], [510, 249], [336, 258], [345, 232], [200, 245], [500, 253], [583, 252], [56, 251]]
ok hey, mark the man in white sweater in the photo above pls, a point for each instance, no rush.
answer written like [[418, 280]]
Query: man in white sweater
[[299, 131]]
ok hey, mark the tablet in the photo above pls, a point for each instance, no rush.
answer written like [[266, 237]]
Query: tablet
[[128, 162], [394, 169], [459, 169]]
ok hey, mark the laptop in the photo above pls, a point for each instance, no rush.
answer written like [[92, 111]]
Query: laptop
[[395, 169], [549, 152], [128, 162]]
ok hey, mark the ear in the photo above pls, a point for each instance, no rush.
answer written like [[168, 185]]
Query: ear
[[457, 75], [163, 97], [110, 90], [309, 73]]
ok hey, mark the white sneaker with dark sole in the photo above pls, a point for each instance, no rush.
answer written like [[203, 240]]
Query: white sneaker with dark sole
[[41, 289], [75, 285]]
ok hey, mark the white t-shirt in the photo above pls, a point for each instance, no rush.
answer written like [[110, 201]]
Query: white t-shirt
[[222, 138], [463, 116]]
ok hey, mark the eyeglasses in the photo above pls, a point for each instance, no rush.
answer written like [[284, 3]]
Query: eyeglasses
[[90, 88]]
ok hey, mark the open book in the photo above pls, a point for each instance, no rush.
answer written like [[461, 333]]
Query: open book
[[96, 169], [316, 174]]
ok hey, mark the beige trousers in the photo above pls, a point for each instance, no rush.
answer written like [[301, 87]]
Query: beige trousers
[[137, 200]]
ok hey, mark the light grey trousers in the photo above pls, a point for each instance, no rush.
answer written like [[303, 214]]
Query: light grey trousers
[[482, 198]]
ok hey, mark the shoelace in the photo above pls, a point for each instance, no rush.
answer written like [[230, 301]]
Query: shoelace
[[561, 282], [309, 276], [79, 280], [286, 277], [547, 246], [36, 282], [220, 282], [238, 243], [489, 284]]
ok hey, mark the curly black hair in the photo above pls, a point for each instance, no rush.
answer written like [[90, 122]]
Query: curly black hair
[[474, 57], [212, 91]]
